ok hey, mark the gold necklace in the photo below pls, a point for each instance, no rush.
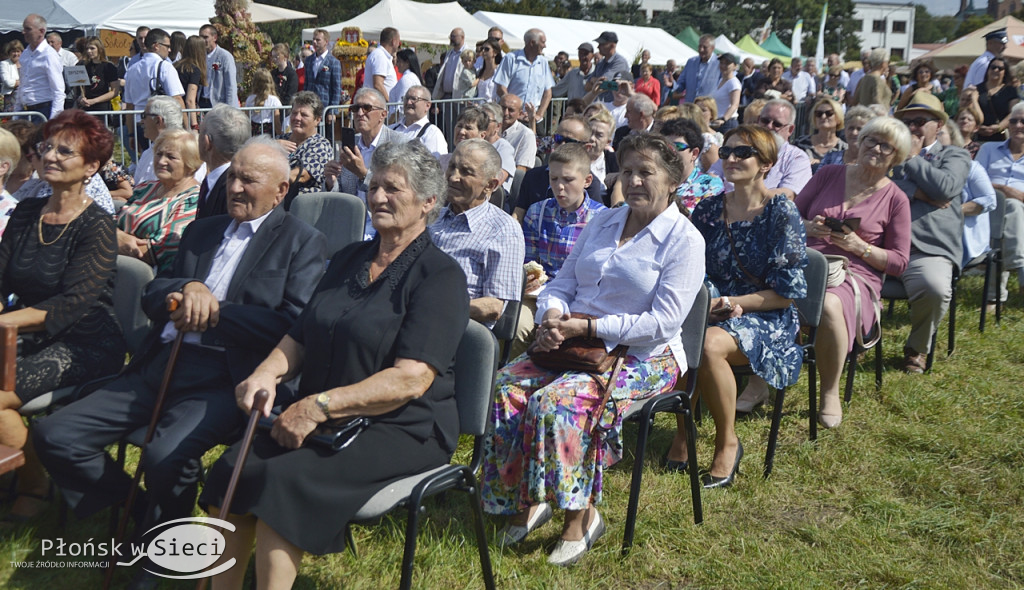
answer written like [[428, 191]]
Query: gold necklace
[[66, 225]]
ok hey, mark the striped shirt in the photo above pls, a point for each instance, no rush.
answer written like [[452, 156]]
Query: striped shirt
[[551, 231], [160, 219]]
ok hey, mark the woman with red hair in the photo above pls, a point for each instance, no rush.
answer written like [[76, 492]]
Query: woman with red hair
[[59, 256]]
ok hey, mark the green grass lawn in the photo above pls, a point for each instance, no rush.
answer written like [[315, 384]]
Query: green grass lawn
[[920, 487]]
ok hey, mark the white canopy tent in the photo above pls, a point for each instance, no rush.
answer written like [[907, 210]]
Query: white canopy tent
[[417, 23], [566, 35], [126, 16], [724, 45]]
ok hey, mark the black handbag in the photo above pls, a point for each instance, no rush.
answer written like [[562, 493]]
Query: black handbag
[[334, 435]]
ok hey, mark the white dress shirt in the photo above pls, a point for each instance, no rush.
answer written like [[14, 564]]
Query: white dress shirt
[[432, 138], [379, 63], [42, 78]]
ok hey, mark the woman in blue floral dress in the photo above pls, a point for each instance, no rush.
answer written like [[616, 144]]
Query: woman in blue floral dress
[[637, 269], [756, 253]]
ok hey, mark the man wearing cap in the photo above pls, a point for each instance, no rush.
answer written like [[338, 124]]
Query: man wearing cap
[[573, 84], [612, 65], [700, 75], [525, 74], [995, 43], [933, 179]]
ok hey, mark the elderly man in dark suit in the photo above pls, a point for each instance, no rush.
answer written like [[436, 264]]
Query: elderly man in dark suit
[[240, 280], [933, 177]]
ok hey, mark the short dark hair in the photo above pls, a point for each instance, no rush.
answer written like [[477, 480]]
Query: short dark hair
[[387, 35], [156, 36], [686, 129]]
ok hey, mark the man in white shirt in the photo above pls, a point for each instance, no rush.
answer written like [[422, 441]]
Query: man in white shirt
[[525, 74], [67, 59], [803, 83], [451, 65], [505, 149], [523, 140], [380, 67], [140, 39], [153, 74], [221, 78], [42, 74], [417, 125], [995, 43], [573, 84]]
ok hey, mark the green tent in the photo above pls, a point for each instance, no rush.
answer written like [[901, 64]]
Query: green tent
[[690, 37], [774, 45], [748, 45]]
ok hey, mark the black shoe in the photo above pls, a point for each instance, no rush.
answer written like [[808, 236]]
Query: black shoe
[[677, 466], [709, 481]]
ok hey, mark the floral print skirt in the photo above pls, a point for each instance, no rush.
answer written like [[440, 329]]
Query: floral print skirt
[[540, 451]]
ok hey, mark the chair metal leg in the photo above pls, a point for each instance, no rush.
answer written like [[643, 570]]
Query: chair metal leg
[[412, 528], [931, 352], [812, 393], [773, 434], [989, 268], [476, 506], [350, 540], [851, 371], [999, 274], [695, 485], [812, 411], [646, 423], [878, 367]]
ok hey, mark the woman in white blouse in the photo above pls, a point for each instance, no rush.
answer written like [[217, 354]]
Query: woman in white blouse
[[727, 95], [407, 63], [634, 271], [10, 77]]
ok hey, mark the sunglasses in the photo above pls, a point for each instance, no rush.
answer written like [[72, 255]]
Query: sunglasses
[[564, 139], [1016, 121], [824, 114], [742, 152], [681, 147], [917, 122], [365, 108], [871, 143], [771, 123], [997, 68]]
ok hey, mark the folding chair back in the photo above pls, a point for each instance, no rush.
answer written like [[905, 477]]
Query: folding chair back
[[339, 216]]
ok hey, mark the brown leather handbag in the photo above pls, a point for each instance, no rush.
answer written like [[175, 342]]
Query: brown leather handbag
[[587, 355]]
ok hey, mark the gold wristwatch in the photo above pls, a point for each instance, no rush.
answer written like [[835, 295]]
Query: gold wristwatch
[[322, 402]]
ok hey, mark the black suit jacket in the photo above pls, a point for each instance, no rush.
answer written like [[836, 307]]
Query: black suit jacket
[[273, 282], [216, 201]]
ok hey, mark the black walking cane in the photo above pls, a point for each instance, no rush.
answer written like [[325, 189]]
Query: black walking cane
[[172, 305], [261, 399]]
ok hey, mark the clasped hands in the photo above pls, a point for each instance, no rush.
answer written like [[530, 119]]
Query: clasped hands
[[556, 328], [849, 241]]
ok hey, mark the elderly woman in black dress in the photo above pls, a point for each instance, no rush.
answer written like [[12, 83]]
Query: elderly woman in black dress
[[59, 256], [378, 339]]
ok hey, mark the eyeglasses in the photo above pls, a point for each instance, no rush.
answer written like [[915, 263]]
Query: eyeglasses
[[63, 152], [559, 138], [997, 68], [365, 108], [1016, 121], [681, 147], [917, 122], [824, 114], [742, 152], [771, 123], [167, 45], [416, 99], [145, 116], [871, 143]]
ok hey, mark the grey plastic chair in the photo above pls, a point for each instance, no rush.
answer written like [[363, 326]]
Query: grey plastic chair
[[678, 401], [132, 277], [505, 328], [476, 363], [809, 308], [339, 216]]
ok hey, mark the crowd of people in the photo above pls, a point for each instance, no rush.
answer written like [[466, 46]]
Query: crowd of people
[[653, 184]]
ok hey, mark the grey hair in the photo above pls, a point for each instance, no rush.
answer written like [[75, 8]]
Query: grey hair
[[493, 111], [532, 35], [167, 109], [1017, 109], [310, 100], [492, 160], [228, 128], [38, 20], [955, 137], [366, 90], [877, 57], [860, 112], [644, 104], [421, 169], [781, 102], [276, 158]]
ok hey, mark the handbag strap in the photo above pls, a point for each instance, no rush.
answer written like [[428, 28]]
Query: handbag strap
[[876, 306], [596, 430]]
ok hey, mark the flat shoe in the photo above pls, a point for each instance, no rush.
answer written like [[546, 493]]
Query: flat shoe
[[512, 534], [829, 420], [746, 404], [569, 552]]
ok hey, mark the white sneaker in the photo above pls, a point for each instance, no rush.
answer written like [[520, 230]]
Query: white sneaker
[[512, 534], [569, 552]]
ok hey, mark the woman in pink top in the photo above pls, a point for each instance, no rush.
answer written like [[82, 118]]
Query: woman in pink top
[[878, 243]]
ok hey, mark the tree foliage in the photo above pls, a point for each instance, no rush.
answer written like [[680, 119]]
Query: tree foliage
[[930, 28], [972, 23]]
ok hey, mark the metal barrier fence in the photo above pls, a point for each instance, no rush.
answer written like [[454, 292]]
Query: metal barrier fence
[[22, 115]]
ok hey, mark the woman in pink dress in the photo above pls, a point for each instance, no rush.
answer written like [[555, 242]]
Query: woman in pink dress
[[878, 243]]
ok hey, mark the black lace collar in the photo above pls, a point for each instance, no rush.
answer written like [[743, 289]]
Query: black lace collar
[[398, 267]]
